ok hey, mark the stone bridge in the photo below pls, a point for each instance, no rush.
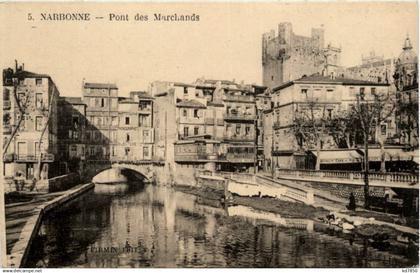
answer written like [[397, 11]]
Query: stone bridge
[[149, 171]]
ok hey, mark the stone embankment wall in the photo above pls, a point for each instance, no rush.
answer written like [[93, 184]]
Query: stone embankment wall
[[344, 190], [59, 183]]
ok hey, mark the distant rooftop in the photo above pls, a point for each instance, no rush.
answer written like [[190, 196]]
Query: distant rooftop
[[100, 85], [72, 100], [190, 104], [141, 94], [317, 78], [28, 74]]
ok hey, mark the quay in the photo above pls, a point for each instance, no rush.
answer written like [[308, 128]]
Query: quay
[[264, 184], [23, 220]]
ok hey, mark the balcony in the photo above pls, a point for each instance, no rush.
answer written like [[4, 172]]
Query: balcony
[[6, 105], [239, 98], [233, 137], [33, 158], [7, 129], [199, 157], [240, 116]]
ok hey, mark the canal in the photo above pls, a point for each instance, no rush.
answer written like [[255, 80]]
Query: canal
[[126, 225]]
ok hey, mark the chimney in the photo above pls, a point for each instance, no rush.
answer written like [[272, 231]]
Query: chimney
[[16, 66], [23, 66]]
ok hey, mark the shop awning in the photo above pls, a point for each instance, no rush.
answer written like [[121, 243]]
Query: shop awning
[[339, 156], [395, 154]]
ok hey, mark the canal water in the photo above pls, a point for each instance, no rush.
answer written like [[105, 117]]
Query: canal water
[[149, 226]]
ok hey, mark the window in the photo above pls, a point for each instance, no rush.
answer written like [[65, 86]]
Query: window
[[38, 123], [247, 130], [330, 90], [146, 135], [185, 131], [127, 120], [127, 138], [92, 150], [6, 94], [143, 105], [196, 129], [185, 113], [88, 135], [38, 81], [272, 78], [127, 151], [196, 113], [362, 93], [38, 100], [238, 129], [102, 102], [145, 151], [329, 113], [75, 135], [304, 91], [373, 90], [383, 130], [75, 122], [185, 91]]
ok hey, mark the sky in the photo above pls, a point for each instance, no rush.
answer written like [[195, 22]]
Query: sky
[[224, 44]]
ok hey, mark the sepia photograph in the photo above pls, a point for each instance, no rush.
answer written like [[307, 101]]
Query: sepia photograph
[[211, 135]]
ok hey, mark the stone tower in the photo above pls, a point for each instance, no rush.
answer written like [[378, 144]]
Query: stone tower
[[288, 56]]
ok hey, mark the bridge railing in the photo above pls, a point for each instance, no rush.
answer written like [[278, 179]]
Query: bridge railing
[[351, 176]]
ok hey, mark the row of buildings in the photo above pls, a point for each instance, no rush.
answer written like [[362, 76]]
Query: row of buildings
[[213, 124], [307, 81]]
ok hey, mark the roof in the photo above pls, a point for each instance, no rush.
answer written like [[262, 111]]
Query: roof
[[73, 100], [126, 100], [28, 74], [221, 81], [190, 104], [100, 85], [141, 94], [317, 78]]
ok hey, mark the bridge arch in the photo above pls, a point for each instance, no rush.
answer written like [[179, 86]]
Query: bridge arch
[[104, 172]]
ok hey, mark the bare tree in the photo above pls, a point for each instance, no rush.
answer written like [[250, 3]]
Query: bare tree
[[370, 114], [46, 112], [310, 127], [22, 102]]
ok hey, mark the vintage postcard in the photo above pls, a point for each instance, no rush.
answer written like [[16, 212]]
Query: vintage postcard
[[211, 135]]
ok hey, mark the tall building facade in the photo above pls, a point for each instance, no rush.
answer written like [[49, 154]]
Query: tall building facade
[[322, 97], [406, 83], [208, 124], [29, 124], [135, 134], [102, 116], [287, 56], [373, 68], [72, 124]]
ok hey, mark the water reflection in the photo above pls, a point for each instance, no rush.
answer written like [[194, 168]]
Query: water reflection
[[134, 226]]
